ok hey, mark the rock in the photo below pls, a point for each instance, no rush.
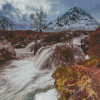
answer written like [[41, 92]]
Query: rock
[[1, 57], [36, 47], [7, 51], [40, 44], [85, 44], [18, 46]]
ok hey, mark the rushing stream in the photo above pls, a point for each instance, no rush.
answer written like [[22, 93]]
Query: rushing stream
[[29, 78], [22, 80]]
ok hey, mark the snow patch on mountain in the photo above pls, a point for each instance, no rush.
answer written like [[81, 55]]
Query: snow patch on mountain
[[75, 19]]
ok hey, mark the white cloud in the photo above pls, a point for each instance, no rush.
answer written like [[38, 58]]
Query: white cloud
[[1, 2], [53, 13], [57, 12], [22, 4]]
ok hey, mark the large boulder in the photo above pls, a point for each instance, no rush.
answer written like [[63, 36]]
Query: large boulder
[[7, 51], [85, 44], [36, 47]]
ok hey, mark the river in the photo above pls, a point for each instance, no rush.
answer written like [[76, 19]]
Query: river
[[30, 77]]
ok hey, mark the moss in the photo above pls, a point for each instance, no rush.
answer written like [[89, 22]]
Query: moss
[[74, 82], [71, 80], [64, 76]]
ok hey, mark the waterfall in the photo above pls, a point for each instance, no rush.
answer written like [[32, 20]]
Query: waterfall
[[77, 40], [30, 47], [22, 80], [43, 57], [30, 78]]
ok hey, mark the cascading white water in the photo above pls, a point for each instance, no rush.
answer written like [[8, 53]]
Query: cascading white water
[[22, 80], [43, 58], [30, 78], [77, 40], [30, 47]]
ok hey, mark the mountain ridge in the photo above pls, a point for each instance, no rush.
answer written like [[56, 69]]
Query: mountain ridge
[[74, 19]]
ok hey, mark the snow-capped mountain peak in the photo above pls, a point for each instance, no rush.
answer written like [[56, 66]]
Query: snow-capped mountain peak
[[75, 19]]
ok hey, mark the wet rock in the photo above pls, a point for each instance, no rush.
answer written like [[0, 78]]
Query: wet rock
[[85, 44], [7, 51], [18, 46], [36, 47]]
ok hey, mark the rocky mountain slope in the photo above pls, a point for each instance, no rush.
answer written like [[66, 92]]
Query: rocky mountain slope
[[75, 19]]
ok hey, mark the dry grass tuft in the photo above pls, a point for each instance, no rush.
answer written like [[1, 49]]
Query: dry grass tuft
[[63, 55]]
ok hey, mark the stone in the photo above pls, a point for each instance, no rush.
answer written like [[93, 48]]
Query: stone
[[85, 44], [7, 51]]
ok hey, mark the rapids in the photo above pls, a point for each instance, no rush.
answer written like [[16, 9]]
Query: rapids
[[29, 78], [22, 80]]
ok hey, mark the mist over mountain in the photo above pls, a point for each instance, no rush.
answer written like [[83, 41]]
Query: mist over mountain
[[21, 21], [75, 19]]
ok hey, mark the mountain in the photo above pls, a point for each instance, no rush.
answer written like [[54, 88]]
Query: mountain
[[75, 19]]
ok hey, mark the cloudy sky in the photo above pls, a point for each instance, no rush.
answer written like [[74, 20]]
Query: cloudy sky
[[53, 8]]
